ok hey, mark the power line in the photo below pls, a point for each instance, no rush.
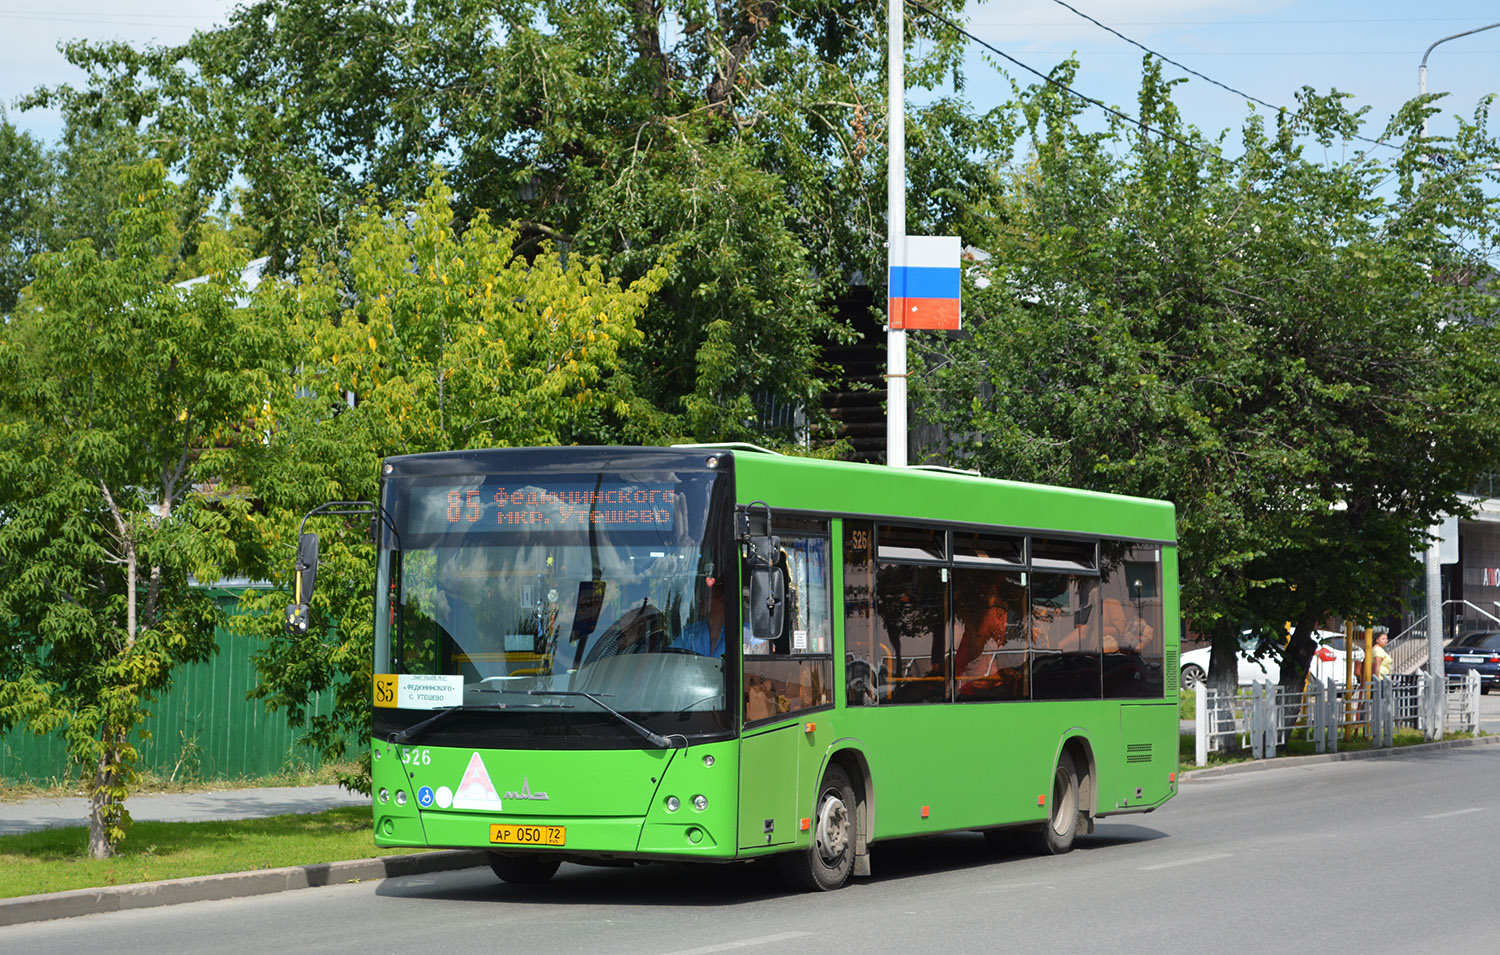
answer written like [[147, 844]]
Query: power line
[[1067, 89], [1187, 69]]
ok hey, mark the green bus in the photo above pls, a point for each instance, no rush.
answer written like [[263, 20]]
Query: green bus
[[559, 674]]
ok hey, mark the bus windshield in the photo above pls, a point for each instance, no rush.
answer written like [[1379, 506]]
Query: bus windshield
[[561, 606]]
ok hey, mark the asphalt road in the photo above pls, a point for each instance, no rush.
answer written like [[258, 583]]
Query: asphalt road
[[1335, 857]]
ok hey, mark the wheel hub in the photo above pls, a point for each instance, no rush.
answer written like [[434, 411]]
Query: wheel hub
[[832, 836]]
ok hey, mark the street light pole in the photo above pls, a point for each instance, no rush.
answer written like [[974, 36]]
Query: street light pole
[[1432, 561], [1422, 70], [895, 338]]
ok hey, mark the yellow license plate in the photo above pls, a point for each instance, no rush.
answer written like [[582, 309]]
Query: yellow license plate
[[503, 834]]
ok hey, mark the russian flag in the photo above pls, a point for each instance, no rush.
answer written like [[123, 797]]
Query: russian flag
[[924, 283]]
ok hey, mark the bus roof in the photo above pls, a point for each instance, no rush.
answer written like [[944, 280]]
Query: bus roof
[[842, 487], [845, 488]]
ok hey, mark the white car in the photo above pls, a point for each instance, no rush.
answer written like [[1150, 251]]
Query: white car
[[1327, 661]]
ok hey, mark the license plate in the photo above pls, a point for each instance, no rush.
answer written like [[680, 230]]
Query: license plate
[[1470, 659], [502, 834]]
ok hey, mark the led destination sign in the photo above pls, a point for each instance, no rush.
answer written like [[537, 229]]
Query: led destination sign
[[498, 507]]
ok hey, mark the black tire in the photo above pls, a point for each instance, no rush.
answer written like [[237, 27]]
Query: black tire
[[1192, 675], [828, 860], [523, 870], [1055, 836]]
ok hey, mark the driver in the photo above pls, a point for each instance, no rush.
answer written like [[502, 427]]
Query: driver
[[705, 636]]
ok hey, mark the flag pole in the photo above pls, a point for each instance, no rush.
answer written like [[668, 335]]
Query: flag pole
[[895, 341]]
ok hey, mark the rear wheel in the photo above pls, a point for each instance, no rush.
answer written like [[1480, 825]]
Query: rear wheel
[[1192, 675], [524, 870], [1056, 834], [827, 863]]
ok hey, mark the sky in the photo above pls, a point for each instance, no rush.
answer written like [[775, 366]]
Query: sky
[[1267, 49]]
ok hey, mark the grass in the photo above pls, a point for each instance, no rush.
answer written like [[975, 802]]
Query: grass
[[56, 860]]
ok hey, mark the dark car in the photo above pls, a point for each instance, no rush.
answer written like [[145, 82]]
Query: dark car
[[1479, 652]]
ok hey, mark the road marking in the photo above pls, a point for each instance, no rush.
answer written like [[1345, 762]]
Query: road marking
[[1456, 812], [741, 943], [1193, 861]]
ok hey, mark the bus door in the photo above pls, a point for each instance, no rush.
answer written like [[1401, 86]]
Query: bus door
[[768, 786]]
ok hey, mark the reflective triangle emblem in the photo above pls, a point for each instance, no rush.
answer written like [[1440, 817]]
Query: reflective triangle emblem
[[476, 791]]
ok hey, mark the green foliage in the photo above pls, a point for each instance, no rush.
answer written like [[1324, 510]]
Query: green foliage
[[1297, 354], [746, 139], [446, 338], [122, 398], [25, 187]]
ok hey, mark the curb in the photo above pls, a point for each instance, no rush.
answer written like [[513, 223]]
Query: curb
[[1290, 762], [232, 885]]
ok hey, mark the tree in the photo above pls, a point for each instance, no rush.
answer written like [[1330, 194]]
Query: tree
[[746, 138], [1295, 353], [25, 188], [122, 400], [421, 338]]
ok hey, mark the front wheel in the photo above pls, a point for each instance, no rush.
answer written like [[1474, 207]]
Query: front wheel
[[827, 863], [523, 870], [1056, 834], [1192, 675]]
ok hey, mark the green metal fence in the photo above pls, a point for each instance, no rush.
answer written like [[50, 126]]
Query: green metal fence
[[204, 727]]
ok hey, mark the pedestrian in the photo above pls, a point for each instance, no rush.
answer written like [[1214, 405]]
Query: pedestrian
[[1381, 665]]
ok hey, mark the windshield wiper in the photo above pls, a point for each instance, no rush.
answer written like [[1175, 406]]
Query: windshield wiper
[[675, 741], [443, 713]]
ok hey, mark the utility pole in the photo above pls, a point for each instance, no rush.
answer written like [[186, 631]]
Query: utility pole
[[895, 338]]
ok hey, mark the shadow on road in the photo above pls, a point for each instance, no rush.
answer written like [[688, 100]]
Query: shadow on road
[[684, 884]]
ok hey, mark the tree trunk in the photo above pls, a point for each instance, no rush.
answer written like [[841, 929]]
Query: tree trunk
[[104, 809], [1297, 660], [1224, 671]]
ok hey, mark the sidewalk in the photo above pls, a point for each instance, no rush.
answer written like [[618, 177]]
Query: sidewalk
[[30, 815]]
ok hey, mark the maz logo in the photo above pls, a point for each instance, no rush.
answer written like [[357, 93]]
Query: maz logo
[[525, 792]]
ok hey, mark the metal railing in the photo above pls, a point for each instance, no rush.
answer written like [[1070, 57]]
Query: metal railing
[[1262, 717], [1408, 649]]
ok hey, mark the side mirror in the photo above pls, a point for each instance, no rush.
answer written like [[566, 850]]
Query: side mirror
[[767, 589], [306, 573]]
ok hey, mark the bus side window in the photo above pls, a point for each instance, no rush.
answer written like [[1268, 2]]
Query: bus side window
[[795, 672], [1131, 602], [990, 636], [866, 674], [1065, 642], [912, 622]]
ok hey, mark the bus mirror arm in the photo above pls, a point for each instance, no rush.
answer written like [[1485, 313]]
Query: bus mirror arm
[[305, 571]]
